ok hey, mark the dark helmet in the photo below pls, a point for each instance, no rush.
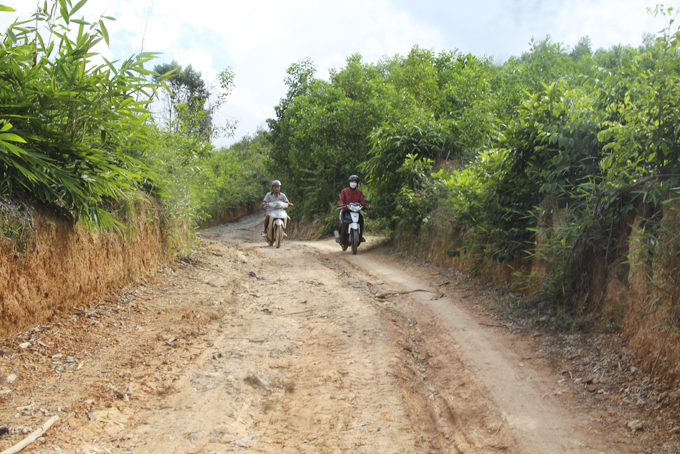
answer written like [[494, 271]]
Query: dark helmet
[[276, 183], [354, 178]]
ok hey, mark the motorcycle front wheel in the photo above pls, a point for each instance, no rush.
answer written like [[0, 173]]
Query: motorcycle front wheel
[[355, 241], [279, 235]]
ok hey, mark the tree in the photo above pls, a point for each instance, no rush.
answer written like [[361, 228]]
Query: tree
[[584, 48], [188, 108]]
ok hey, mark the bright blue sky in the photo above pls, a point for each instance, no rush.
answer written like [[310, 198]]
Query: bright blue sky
[[259, 39]]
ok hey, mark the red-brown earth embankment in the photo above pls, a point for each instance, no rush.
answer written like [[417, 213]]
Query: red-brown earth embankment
[[48, 264]]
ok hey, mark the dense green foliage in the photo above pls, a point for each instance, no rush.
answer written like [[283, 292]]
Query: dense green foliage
[[71, 131], [236, 176], [368, 117], [79, 134]]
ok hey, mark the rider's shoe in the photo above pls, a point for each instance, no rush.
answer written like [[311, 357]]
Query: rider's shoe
[[284, 235], [264, 235], [363, 240]]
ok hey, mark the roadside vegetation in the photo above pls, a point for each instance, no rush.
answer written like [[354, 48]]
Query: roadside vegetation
[[85, 136]]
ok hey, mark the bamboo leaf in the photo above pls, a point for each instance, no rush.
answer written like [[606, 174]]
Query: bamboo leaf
[[104, 31], [64, 11], [12, 138], [77, 7]]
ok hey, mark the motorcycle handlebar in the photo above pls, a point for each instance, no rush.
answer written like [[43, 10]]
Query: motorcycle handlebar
[[365, 207]]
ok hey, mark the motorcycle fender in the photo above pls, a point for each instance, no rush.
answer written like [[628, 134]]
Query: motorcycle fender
[[279, 221], [354, 226]]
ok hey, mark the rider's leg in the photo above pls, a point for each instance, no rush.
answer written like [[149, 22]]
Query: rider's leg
[[343, 223], [361, 227], [286, 226], [266, 223]]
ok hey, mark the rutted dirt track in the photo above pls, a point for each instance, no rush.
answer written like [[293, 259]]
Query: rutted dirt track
[[322, 352]]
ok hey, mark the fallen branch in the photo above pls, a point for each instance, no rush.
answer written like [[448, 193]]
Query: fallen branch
[[37, 433], [382, 296], [300, 312]]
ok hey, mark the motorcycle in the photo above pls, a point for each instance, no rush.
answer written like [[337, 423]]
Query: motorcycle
[[278, 221], [351, 235]]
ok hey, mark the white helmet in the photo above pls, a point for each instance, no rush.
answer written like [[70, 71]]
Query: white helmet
[[276, 183]]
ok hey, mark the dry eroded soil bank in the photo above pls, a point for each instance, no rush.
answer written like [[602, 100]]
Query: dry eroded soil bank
[[207, 359]]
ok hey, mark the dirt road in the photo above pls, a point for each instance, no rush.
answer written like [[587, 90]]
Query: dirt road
[[299, 349]]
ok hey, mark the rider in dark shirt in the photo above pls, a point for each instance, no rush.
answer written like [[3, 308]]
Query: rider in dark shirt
[[352, 195]]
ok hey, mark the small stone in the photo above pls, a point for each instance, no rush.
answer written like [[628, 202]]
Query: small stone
[[129, 436], [379, 429], [635, 425], [10, 378], [24, 345], [633, 369], [257, 382]]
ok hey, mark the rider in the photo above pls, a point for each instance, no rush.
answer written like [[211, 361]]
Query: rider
[[352, 195], [274, 196]]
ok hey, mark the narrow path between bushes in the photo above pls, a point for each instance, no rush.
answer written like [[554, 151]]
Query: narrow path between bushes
[[299, 349]]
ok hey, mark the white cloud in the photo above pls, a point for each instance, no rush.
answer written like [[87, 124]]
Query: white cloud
[[242, 97], [200, 61]]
